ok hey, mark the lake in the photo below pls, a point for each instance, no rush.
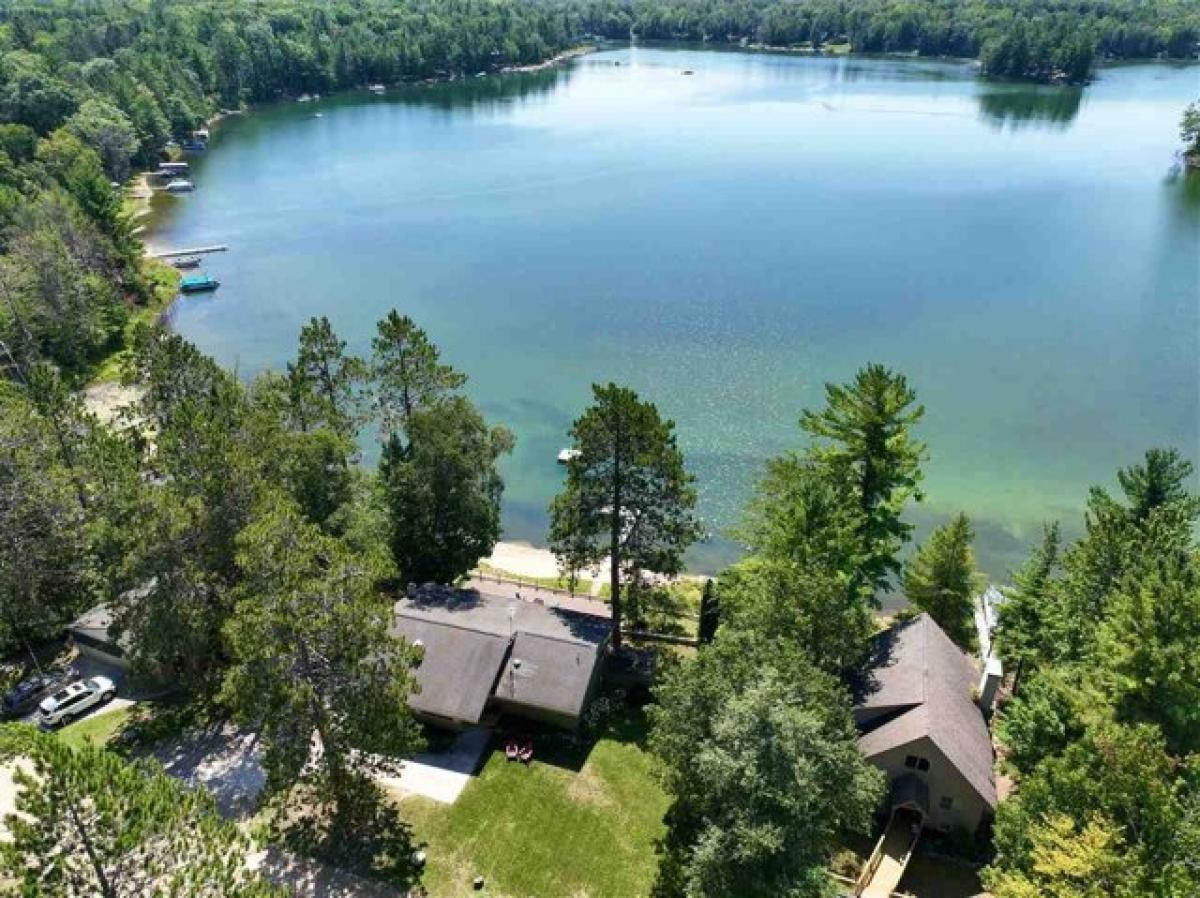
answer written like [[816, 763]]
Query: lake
[[727, 241]]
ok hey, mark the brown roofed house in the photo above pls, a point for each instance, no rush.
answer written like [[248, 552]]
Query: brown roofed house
[[495, 654], [921, 726]]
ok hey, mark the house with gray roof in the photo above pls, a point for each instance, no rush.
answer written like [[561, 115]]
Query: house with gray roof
[[486, 655], [93, 634], [920, 724]]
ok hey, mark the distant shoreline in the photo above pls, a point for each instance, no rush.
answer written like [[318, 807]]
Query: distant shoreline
[[564, 56]]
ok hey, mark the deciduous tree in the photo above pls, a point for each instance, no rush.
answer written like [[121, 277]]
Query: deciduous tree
[[760, 758], [443, 491]]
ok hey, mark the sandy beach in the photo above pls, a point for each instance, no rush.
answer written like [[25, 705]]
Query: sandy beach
[[527, 560]]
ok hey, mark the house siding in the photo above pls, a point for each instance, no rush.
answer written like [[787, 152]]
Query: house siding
[[967, 811]]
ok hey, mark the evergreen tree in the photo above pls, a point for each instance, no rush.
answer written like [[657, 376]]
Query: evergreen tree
[[325, 384], [443, 491], [312, 655], [1189, 132], [628, 497], [710, 613], [408, 376], [1026, 632], [940, 579], [865, 442], [85, 822], [438, 466]]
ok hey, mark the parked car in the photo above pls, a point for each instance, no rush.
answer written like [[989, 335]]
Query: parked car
[[67, 704], [24, 697]]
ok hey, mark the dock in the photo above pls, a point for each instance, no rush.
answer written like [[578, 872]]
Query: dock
[[194, 251]]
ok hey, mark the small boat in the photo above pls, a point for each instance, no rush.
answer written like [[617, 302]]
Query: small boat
[[566, 456], [186, 262], [180, 185], [198, 283], [195, 146], [200, 134], [304, 98], [688, 72], [172, 168], [376, 88]]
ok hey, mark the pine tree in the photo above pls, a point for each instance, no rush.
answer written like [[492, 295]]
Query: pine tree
[[628, 497], [312, 655], [710, 613], [88, 823], [867, 445], [940, 579]]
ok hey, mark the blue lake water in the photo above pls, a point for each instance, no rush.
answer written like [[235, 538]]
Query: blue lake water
[[727, 241]]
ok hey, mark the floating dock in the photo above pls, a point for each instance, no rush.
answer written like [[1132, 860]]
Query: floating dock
[[193, 251]]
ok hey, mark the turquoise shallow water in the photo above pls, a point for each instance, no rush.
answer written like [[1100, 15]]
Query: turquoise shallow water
[[727, 241]]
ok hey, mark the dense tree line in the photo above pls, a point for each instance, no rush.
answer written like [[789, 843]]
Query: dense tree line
[[90, 92], [246, 557], [1103, 733], [1040, 40]]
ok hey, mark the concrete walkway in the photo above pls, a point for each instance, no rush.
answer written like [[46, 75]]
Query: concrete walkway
[[442, 776]]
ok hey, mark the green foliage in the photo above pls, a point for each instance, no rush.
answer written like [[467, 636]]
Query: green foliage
[[44, 571], [1119, 772], [760, 758], [325, 384], [1189, 129], [1149, 645], [940, 578], [1071, 862], [778, 598], [1043, 720], [865, 443], [1025, 634], [710, 612], [438, 466], [408, 375], [311, 653], [1040, 41], [106, 129], [1105, 732], [444, 492], [88, 823], [627, 497]]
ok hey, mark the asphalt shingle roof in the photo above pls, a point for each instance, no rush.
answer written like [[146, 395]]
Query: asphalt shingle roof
[[473, 642], [917, 670]]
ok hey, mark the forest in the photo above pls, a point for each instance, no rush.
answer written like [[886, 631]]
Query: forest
[[253, 560], [91, 92]]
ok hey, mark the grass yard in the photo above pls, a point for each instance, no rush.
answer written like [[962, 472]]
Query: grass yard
[[581, 824], [97, 729]]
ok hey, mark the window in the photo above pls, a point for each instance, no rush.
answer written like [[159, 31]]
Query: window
[[922, 764], [910, 762], [946, 803]]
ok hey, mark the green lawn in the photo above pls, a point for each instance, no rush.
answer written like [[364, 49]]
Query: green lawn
[[583, 827], [97, 729]]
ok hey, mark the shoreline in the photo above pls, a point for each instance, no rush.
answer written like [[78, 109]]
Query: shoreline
[[559, 59]]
